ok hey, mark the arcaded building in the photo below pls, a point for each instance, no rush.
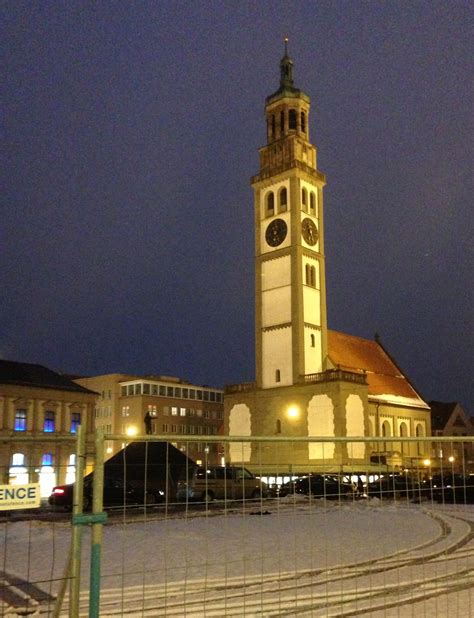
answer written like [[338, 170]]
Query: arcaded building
[[310, 381]]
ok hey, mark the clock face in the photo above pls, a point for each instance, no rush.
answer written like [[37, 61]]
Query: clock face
[[309, 231], [276, 232]]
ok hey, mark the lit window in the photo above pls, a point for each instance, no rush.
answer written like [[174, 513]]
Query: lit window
[[75, 421], [182, 411], [20, 420], [48, 426], [174, 411], [47, 459], [18, 459]]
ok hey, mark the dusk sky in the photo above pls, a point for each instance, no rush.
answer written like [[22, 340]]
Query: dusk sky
[[131, 132]]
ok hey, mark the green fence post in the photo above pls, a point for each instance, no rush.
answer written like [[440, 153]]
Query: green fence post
[[76, 543], [96, 536]]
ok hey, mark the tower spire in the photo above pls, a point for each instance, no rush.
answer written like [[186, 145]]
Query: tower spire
[[286, 68]]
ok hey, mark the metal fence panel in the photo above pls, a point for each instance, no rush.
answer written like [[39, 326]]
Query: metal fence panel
[[263, 537]]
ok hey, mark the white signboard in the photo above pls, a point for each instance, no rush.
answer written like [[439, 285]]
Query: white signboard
[[19, 497]]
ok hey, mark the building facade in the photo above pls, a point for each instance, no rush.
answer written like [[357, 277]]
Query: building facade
[[450, 419], [46, 408], [310, 382], [174, 407]]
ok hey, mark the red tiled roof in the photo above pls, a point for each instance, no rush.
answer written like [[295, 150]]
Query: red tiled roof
[[386, 381]]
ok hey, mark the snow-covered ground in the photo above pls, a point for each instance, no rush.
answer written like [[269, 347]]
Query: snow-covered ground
[[280, 558]]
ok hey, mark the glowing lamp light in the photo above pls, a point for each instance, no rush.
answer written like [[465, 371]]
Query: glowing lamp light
[[427, 462], [293, 412], [109, 449], [131, 431], [451, 459]]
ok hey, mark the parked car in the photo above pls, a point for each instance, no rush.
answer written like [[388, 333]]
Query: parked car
[[116, 493], [220, 483], [453, 488], [318, 486], [394, 486]]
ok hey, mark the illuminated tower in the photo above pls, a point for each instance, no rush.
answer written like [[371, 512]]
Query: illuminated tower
[[291, 324]]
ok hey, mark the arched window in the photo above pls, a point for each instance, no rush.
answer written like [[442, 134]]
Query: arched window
[[419, 434], [404, 434], [313, 276], [47, 459], [71, 469], [313, 341], [283, 199], [292, 119], [18, 459], [277, 375], [308, 274], [312, 203], [303, 122], [278, 426], [304, 198], [270, 204], [386, 429], [18, 472]]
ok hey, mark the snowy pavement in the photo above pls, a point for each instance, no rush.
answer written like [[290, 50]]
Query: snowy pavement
[[281, 558]]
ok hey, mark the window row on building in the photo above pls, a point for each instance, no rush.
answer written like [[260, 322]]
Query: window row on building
[[216, 415], [189, 429], [103, 412], [277, 202], [20, 422], [175, 428], [162, 390]]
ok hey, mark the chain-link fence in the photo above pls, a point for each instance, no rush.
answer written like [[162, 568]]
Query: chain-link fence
[[241, 530]]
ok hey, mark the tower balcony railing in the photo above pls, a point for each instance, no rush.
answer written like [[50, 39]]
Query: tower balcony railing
[[245, 387], [333, 375], [272, 170]]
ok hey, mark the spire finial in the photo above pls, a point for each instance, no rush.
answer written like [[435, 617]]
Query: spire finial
[[286, 45]]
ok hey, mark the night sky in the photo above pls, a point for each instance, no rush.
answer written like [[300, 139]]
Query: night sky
[[131, 133]]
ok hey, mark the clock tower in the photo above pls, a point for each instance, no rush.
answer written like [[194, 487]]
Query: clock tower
[[291, 323]]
